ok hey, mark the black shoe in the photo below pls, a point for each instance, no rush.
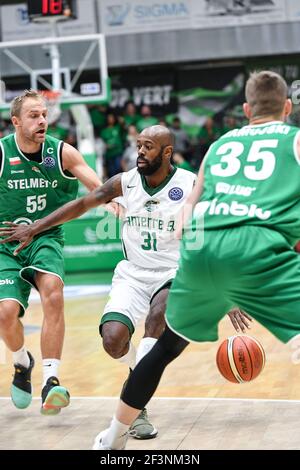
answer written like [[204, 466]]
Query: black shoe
[[54, 397], [21, 390]]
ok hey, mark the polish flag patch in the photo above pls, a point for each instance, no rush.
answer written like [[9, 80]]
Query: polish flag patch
[[15, 161]]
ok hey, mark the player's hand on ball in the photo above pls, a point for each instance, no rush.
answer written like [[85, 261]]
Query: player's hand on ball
[[239, 319]]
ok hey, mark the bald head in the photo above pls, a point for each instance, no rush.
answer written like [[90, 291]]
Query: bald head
[[155, 149], [160, 134]]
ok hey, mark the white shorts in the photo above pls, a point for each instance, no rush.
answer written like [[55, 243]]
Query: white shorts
[[133, 288]]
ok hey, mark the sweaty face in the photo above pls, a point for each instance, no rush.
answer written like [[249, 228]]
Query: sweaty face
[[32, 121], [150, 156]]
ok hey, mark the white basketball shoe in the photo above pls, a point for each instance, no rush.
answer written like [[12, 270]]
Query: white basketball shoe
[[100, 442]]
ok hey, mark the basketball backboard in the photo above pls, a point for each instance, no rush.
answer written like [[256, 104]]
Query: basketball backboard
[[74, 66]]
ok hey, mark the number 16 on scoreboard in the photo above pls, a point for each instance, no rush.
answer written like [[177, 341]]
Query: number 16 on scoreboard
[[60, 9]]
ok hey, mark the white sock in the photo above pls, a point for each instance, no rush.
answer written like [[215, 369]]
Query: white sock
[[144, 347], [129, 357], [116, 436], [50, 369], [21, 357]]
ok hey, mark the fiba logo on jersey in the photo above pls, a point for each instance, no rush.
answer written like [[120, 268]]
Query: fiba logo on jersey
[[49, 162], [175, 194]]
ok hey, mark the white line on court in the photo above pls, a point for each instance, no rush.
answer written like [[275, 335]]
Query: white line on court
[[72, 292], [263, 400]]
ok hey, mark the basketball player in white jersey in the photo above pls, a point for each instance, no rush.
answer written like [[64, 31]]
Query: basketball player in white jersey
[[153, 193]]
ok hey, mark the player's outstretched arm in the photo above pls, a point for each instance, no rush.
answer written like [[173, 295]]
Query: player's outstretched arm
[[25, 233], [74, 162]]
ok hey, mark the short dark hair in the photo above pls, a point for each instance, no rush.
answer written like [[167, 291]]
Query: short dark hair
[[266, 93], [17, 102]]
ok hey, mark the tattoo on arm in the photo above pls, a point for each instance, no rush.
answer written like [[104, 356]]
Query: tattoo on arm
[[109, 190]]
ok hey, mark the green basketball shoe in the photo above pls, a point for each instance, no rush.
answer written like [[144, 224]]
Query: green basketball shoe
[[54, 397], [21, 389]]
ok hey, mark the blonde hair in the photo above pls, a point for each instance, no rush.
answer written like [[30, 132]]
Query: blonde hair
[[266, 93], [17, 102]]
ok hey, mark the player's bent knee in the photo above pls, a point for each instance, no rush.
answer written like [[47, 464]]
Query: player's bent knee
[[54, 297], [113, 345], [115, 338]]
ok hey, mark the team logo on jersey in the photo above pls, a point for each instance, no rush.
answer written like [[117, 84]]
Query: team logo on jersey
[[175, 194], [35, 168], [49, 162], [151, 205]]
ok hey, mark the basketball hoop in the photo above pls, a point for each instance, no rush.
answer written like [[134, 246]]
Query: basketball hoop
[[52, 98]]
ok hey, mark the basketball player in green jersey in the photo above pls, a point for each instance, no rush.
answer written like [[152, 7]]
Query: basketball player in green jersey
[[153, 194], [38, 174]]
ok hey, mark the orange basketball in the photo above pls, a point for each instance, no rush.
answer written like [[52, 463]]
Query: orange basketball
[[240, 358]]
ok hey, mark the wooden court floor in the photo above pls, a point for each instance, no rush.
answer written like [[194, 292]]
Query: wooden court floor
[[195, 408], [183, 424]]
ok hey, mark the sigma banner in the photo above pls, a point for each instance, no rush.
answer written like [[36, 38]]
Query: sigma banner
[[139, 16]]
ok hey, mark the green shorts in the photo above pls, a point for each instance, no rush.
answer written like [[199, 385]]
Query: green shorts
[[250, 267], [17, 272]]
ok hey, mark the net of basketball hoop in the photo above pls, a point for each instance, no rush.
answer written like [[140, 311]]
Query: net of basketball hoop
[[53, 104]]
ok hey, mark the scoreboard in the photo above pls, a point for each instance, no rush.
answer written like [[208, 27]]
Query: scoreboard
[[39, 10]]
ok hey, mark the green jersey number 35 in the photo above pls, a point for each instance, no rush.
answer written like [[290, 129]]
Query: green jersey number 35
[[258, 154]]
